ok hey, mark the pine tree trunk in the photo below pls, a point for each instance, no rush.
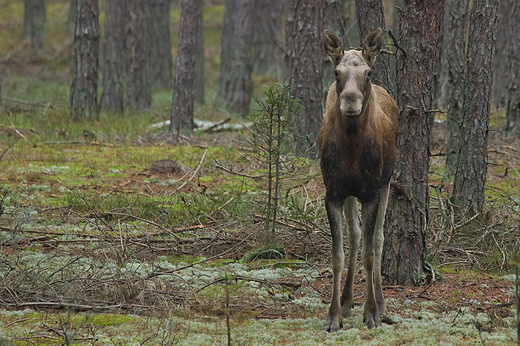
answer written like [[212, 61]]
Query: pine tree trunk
[[235, 83], [182, 101], [160, 65], [335, 19], [83, 91], [512, 124], [304, 70], [470, 176], [141, 93], [370, 16], [114, 57], [455, 36], [441, 69], [266, 36], [71, 19], [34, 22], [405, 253], [198, 80], [502, 74]]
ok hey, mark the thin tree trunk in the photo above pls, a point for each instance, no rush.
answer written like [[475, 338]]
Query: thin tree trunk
[[114, 57], [455, 37], [266, 36], [198, 80], [235, 83], [502, 74], [405, 253], [182, 101], [370, 16], [304, 70], [512, 124], [470, 176], [141, 93], [334, 19], [71, 19], [34, 22], [441, 69], [160, 62], [83, 91]]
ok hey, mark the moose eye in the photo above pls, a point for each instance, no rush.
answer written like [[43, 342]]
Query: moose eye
[[336, 73], [369, 74]]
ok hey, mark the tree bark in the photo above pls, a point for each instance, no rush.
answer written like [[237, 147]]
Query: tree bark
[[235, 83], [83, 91], [502, 73], [455, 36], [115, 56], [71, 19], [470, 176], [34, 22], [441, 69], [512, 123], [141, 93], [160, 62], [335, 19], [266, 36], [200, 61], [304, 70], [405, 253], [182, 101], [370, 16]]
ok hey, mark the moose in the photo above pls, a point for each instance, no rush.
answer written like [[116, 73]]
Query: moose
[[357, 148]]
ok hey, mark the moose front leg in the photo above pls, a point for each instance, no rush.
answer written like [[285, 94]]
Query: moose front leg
[[371, 316], [335, 214], [354, 234], [379, 238]]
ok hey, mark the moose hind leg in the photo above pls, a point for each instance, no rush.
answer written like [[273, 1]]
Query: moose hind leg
[[378, 247], [371, 315], [335, 215], [354, 233]]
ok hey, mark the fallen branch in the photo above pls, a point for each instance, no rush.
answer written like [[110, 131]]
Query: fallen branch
[[194, 174], [249, 278]]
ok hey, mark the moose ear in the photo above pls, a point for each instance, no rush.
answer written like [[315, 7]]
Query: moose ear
[[333, 46], [372, 45]]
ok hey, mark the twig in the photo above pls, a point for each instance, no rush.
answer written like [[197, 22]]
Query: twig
[[249, 278], [65, 305], [395, 43], [214, 127], [147, 221], [503, 254], [198, 262], [219, 166], [194, 174]]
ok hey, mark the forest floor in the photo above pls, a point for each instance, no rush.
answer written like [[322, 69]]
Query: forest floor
[[101, 243]]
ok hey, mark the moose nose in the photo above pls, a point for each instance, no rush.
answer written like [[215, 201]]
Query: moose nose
[[351, 104]]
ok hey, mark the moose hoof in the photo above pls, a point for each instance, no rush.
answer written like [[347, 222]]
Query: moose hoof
[[333, 324], [371, 319]]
